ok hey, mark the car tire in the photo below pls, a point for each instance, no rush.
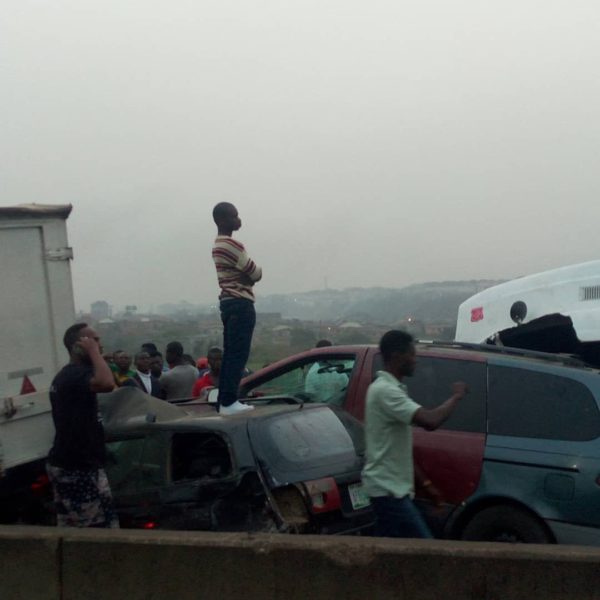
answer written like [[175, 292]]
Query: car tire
[[506, 524]]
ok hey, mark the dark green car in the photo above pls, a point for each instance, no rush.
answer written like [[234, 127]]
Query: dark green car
[[280, 467]]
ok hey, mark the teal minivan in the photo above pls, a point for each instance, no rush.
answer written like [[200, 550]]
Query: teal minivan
[[531, 429]]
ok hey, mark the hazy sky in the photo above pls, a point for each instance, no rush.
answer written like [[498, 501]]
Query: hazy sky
[[366, 143]]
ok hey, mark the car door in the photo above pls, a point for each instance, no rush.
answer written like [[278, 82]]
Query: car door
[[136, 470], [204, 476], [544, 442], [451, 456]]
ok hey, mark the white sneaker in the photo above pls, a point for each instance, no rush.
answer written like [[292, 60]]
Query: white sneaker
[[235, 408]]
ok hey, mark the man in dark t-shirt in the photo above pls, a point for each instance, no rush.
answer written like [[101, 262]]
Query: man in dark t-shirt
[[76, 460]]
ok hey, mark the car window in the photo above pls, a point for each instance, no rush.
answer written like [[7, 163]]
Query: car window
[[123, 464], [308, 438], [203, 456], [153, 467], [135, 464], [324, 380], [534, 404], [431, 385]]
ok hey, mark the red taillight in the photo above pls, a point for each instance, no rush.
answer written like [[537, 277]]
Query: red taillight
[[40, 484], [324, 495], [149, 525]]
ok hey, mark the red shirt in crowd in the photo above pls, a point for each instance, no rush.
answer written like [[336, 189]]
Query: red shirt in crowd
[[203, 382]]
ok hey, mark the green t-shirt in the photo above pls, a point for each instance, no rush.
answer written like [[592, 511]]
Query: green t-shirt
[[389, 412]]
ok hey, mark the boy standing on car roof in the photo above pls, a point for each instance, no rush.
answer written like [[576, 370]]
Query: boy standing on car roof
[[76, 460], [389, 474], [237, 273]]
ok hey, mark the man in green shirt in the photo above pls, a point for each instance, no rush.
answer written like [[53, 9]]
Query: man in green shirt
[[388, 475]]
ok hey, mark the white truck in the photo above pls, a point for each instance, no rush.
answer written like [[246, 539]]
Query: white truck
[[37, 306]]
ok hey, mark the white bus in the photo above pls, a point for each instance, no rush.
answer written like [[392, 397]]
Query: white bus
[[554, 311]]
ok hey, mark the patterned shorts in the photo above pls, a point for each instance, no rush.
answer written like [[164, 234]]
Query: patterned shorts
[[82, 498]]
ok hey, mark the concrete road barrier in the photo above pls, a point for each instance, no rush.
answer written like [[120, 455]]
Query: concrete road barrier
[[132, 565], [29, 563]]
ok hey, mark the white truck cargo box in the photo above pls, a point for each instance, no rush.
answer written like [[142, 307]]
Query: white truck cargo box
[[36, 300], [36, 294]]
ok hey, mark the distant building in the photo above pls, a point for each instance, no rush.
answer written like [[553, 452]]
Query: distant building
[[100, 310]]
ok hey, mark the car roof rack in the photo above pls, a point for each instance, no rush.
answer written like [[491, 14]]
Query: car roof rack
[[565, 359]]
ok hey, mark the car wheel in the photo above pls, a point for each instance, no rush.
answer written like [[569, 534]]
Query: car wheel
[[506, 524]]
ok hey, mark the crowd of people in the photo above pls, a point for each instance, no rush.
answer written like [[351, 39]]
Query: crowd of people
[[174, 376]]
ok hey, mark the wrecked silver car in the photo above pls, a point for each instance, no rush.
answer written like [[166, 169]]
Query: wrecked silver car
[[278, 468]]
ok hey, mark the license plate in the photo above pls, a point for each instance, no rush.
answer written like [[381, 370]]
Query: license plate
[[358, 496]]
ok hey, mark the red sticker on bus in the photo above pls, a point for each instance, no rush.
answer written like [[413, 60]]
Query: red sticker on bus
[[477, 314]]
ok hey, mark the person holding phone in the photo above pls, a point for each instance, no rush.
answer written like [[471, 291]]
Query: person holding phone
[[76, 460]]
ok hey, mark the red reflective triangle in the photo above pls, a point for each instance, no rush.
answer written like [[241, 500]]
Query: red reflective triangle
[[27, 387]]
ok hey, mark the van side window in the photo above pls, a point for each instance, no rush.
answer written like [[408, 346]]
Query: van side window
[[431, 384], [532, 404]]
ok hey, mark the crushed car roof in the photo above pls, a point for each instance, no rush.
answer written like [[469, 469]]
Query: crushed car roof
[[129, 407]]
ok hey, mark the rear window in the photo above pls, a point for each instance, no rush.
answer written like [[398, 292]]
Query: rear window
[[533, 404], [309, 438]]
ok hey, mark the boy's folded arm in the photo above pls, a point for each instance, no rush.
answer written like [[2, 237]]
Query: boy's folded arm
[[249, 268]]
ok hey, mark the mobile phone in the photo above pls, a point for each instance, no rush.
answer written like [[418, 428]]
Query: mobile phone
[[79, 351]]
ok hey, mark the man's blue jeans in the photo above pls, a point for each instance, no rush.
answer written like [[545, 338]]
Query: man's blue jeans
[[238, 317], [399, 518]]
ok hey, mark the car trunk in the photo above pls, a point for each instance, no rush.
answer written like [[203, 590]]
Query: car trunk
[[311, 461]]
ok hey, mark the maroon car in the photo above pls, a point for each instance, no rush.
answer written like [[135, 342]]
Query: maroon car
[[451, 456]]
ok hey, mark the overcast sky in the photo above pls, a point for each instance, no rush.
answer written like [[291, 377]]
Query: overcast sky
[[376, 143]]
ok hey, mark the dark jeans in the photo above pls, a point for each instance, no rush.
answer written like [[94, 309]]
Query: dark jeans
[[238, 318], [399, 518]]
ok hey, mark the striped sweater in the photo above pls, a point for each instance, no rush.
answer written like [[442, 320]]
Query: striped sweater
[[236, 271]]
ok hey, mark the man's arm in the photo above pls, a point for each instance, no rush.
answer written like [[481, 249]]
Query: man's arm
[[102, 380], [250, 271], [431, 419]]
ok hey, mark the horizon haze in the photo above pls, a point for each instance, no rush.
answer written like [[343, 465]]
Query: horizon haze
[[379, 144]]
